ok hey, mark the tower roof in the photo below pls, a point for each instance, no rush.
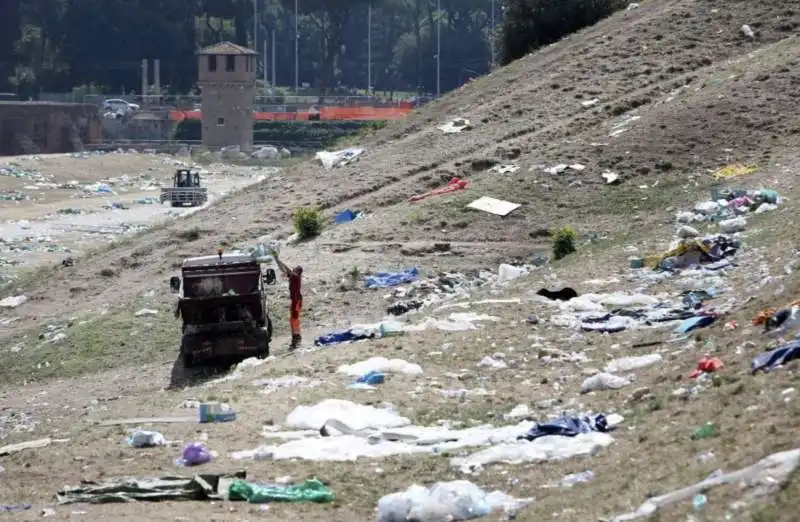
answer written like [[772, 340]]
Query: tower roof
[[224, 48]]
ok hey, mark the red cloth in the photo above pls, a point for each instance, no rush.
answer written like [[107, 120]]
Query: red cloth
[[294, 287], [706, 365], [452, 186]]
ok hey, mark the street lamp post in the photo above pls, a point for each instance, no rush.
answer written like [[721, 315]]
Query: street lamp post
[[491, 38], [369, 49], [438, 49], [296, 49]]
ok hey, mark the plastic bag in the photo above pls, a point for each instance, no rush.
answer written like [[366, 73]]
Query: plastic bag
[[146, 439], [309, 491], [193, 454], [456, 500]]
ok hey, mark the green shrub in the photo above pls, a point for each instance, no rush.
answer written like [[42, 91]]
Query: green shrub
[[307, 222], [564, 243]]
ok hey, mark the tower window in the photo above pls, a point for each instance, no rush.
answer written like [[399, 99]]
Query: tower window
[[230, 63], [220, 122], [212, 63]]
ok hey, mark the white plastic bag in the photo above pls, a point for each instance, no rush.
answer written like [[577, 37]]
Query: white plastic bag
[[454, 501]]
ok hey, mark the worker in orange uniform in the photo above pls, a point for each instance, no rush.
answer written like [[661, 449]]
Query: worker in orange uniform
[[294, 276]]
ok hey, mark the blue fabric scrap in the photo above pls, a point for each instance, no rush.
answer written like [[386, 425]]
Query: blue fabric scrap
[[567, 426], [389, 279], [345, 216], [768, 361], [341, 337]]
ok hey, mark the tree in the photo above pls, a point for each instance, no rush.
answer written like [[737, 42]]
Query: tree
[[530, 24], [331, 18], [9, 33]]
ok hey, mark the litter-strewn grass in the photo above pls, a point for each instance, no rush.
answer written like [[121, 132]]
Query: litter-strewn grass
[[93, 343]]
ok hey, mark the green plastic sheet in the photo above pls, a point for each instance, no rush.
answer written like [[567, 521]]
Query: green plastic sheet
[[311, 490]]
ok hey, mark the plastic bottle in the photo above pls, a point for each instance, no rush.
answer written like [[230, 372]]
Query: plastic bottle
[[705, 431], [577, 478], [699, 501]]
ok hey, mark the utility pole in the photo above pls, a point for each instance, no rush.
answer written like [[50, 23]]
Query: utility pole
[[264, 60], [369, 49], [491, 39], [296, 49], [274, 78], [438, 49], [255, 25]]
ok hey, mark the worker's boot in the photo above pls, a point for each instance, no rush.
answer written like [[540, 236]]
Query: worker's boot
[[295, 341]]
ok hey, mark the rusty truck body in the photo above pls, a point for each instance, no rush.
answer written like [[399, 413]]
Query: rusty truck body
[[223, 304]]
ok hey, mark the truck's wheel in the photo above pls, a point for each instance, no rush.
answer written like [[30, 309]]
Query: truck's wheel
[[186, 356]]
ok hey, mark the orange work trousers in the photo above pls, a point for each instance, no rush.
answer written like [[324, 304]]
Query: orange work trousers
[[294, 315]]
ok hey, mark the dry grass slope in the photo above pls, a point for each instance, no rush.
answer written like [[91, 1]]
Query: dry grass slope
[[702, 95]]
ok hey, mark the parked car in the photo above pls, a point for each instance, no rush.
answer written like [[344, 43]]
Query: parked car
[[119, 106]]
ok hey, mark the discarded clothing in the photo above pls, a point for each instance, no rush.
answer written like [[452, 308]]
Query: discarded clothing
[[389, 279], [706, 365], [309, 491], [14, 507], [768, 361], [693, 252], [567, 426], [344, 336], [565, 294], [200, 487], [345, 216], [694, 323], [452, 186], [403, 307]]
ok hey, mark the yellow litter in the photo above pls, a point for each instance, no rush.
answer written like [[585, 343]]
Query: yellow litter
[[734, 171]]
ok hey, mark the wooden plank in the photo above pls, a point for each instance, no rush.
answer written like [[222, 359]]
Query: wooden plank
[[31, 444], [148, 420]]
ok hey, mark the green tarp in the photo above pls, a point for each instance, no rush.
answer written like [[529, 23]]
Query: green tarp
[[309, 491]]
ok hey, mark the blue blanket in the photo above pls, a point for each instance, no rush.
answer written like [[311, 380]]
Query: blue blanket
[[567, 427], [388, 279], [768, 361]]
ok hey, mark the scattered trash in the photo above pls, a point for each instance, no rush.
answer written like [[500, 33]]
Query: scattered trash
[[494, 206], [567, 426], [455, 184], [762, 478], [565, 294], [309, 491], [577, 478], [346, 216], [13, 301], [504, 169], [338, 158], [705, 431], [611, 178], [215, 412], [146, 439], [194, 454], [706, 365], [380, 365], [22, 446], [735, 170], [748, 31], [456, 125], [146, 311], [389, 279], [199, 487], [453, 501], [603, 381], [773, 359]]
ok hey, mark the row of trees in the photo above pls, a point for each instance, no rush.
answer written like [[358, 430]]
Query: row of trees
[[55, 45]]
